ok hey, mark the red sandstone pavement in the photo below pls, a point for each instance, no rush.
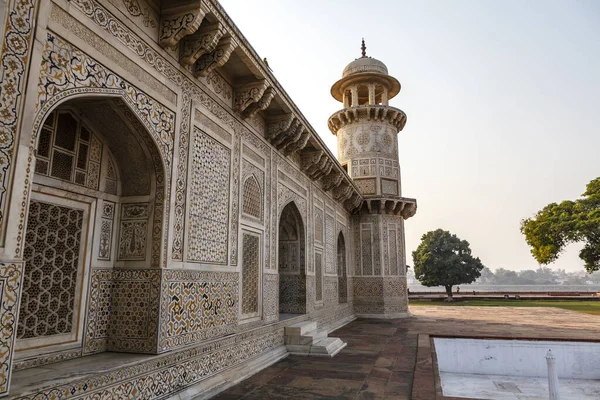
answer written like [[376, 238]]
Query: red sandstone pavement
[[390, 359]]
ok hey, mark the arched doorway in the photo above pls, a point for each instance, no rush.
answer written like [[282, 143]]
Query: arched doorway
[[96, 205], [341, 270], [292, 266]]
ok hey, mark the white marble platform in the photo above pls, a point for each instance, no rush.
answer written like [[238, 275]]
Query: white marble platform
[[500, 387]]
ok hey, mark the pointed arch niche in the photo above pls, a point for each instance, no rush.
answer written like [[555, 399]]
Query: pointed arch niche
[[94, 233], [292, 266]]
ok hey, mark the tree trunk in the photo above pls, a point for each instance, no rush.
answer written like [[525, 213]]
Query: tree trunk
[[449, 291]]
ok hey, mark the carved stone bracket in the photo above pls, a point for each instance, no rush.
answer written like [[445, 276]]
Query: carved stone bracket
[[253, 97], [382, 113], [203, 41], [316, 164], [260, 105], [343, 192], [277, 125], [299, 144], [353, 203], [391, 205], [209, 61], [179, 21], [332, 180], [409, 210]]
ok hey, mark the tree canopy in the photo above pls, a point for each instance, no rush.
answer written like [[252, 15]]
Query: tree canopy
[[442, 259], [557, 225]]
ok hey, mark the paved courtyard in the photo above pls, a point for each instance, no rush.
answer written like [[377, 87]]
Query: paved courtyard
[[381, 362]]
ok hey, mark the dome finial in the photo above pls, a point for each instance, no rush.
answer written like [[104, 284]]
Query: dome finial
[[363, 48]]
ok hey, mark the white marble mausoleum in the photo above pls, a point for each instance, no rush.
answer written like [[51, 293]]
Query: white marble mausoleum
[[166, 211]]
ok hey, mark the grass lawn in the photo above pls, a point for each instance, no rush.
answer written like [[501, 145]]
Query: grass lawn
[[588, 307]]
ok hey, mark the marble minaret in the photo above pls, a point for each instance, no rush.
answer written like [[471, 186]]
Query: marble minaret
[[367, 134]]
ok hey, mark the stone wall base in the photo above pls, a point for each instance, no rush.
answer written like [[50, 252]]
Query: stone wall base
[[380, 297], [385, 316], [212, 386]]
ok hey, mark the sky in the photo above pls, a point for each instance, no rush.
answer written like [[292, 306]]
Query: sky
[[502, 99]]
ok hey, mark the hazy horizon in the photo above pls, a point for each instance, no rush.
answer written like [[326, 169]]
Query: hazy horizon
[[501, 99]]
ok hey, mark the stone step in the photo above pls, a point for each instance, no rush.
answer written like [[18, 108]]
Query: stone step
[[324, 347], [327, 347], [300, 328], [309, 339]]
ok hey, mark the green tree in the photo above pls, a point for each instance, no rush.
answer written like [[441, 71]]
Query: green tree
[[487, 276], [557, 225], [442, 259]]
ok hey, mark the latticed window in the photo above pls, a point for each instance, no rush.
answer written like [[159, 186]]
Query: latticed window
[[250, 273], [52, 264], [318, 228], [252, 198], [69, 151], [319, 276]]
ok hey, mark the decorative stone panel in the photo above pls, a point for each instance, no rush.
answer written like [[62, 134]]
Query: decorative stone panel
[[380, 296], [251, 266], [292, 294], [331, 291], [208, 200], [123, 311], [270, 297], [366, 249], [366, 186], [318, 276], [10, 282], [52, 266], [134, 231], [106, 229], [197, 305], [329, 244]]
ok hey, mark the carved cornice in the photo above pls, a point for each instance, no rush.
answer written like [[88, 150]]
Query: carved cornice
[[179, 21], [342, 192], [260, 105], [316, 164], [392, 205], [201, 42], [298, 144], [353, 203], [253, 97], [209, 61], [332, 180], [346, 116]]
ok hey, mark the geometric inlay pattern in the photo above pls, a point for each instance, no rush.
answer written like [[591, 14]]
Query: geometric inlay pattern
[[366, 186], [318, 227], [250, 273], [209, 200], [341, 268], [252, 198], [196, 306], [123, 310], [330, 244], [318, 276], [366, 246], [51, 255], [393, 270], [389, 186]]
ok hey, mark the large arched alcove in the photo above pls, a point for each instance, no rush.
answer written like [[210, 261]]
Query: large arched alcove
[[292, 265], [341, 270], [96, 204]]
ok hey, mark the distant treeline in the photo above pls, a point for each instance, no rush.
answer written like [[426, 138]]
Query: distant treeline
[[540, 276]]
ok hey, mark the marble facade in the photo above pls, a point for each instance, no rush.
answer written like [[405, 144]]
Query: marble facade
[[163, 201]]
